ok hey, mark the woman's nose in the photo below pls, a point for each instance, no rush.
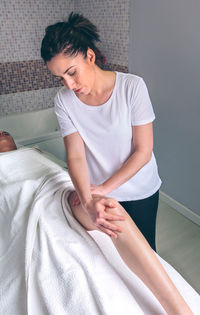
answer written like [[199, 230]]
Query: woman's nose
[[69, 83]]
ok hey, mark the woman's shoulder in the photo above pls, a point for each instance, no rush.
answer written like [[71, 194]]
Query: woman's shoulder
[[129, 83], [129, 77], [62, 95], [129, 80]]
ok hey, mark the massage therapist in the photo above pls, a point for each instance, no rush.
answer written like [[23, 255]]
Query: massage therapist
[[105, 119]]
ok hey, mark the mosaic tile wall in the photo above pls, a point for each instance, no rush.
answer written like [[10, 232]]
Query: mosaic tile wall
[[23, 23], [27, 101], [112, 19], [25, 83]]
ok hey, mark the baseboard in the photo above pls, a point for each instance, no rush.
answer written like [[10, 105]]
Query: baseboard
[[180, 208]]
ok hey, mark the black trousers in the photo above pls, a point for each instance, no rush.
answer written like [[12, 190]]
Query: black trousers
[[144, 212]]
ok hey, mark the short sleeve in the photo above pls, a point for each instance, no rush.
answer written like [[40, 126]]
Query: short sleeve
[[66, 125], [142, 111]]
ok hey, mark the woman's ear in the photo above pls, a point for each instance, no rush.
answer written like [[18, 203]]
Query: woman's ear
[[91, 56]]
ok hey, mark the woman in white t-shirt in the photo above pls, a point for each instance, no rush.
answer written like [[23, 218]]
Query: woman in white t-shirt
[[106, 120]]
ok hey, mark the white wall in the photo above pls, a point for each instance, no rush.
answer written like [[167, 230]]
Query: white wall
[[165, 51]]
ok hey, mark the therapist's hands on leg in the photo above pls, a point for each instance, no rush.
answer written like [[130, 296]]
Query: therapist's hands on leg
[[97, 208], [95, 190]]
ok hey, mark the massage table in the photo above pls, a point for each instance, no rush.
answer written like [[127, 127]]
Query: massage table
[[49, 264]]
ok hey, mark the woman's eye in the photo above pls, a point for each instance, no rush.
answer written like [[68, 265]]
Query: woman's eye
[[72, 73]]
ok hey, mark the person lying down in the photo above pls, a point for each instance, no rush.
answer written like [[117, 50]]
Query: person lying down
[[50, 264]]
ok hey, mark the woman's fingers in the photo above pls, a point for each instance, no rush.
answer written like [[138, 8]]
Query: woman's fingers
[[100, 216], [75, 199], [113, 217], [108, 202], [108, 232], [108, 225]]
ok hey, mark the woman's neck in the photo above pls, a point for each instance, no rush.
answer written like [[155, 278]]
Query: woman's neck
[[104, 82]]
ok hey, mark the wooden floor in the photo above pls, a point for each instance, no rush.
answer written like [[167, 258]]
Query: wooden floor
[[178, 242]]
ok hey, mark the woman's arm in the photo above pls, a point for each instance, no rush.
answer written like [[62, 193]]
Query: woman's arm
[[143, 147], [77, 166], [78, 170]]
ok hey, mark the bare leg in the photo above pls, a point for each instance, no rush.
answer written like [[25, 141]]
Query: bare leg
[[141, 259]]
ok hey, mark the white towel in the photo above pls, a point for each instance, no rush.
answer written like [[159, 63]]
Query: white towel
[[49, 264]]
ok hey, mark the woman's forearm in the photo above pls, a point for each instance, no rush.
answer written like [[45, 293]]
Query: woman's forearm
[[79, 174], [94, 208], [135, 162]]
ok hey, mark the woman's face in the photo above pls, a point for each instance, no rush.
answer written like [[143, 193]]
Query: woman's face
[[75, 72]]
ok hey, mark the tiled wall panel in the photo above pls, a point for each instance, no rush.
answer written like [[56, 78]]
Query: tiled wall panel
[[27, 101], [25, 76], [25, 83], [23, 24], [112, 19]]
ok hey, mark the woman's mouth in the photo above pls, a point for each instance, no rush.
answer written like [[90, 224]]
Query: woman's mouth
[[78, 91]]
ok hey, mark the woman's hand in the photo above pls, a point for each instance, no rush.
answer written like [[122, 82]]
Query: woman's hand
[[75, 199], [95, 190], [97, 210]]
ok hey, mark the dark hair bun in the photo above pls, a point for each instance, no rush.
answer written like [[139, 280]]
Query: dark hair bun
[[74, 36]]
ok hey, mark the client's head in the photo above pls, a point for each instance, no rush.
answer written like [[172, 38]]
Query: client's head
[[6, 142]]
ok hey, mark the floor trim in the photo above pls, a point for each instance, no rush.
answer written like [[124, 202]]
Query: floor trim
[[180, 208]]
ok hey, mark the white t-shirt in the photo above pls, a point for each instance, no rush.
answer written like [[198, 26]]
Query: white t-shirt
[[107, 133]]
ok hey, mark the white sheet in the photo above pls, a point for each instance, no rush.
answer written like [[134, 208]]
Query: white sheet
[[48, 263]]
